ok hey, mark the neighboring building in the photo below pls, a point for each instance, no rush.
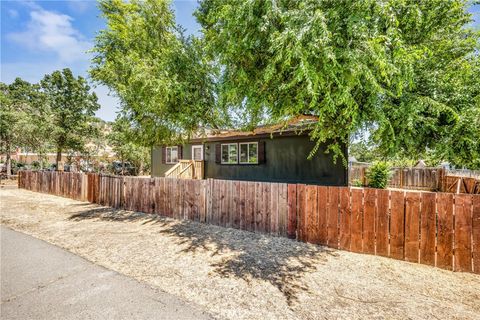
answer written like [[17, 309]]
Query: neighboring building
[[420, 164], [29, 157], [275, 154]]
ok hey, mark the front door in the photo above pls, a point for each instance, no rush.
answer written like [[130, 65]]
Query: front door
[[197, 152]]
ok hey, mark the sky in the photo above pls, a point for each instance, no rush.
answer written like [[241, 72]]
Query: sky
[[39, 37]]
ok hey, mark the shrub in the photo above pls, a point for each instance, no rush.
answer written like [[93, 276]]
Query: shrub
[[378, 175], [35, 165], [357, 183]]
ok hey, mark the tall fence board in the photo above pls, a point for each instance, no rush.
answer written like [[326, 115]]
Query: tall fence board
[[437, 229]]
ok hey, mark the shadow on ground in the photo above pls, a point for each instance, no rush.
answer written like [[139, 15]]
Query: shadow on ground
[[246, 255]]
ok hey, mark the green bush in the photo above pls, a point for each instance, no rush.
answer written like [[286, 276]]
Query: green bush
[[378, 175], [35, 165], [357, 183]]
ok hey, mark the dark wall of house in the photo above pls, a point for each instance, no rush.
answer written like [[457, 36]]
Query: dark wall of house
[[285, 161]]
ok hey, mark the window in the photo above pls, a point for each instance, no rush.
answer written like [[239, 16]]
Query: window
[[229, 153], [197, 153], [249, 152], [171, 155]]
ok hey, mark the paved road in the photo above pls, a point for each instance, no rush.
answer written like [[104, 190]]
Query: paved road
[[42, 281]]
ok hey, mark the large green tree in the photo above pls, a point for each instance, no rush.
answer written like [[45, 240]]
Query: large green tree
[[24, 119], [72, 105], [405, 70], [162, 78]]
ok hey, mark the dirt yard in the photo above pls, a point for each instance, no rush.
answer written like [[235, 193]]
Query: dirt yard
[[240, 275]]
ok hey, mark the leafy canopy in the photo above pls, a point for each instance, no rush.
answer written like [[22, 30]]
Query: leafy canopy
[[397, 68], [404, 71], [72, 107], [24, 117], [163, 79]]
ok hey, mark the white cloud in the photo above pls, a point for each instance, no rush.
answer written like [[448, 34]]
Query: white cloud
[[51, 31]]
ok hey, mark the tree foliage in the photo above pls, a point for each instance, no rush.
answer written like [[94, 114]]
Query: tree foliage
[[163, 79], [24, 119], [403, 69], [124, 140], [72, 106]]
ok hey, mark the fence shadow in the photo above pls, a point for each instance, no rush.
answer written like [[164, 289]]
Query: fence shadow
[[281, 262]]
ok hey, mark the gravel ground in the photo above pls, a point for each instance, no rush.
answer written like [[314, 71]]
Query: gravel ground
[[240, 275]]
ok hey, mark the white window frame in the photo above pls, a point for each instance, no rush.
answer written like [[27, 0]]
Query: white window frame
[[200, 146], [248, 152], [221, 153], [167, 149]]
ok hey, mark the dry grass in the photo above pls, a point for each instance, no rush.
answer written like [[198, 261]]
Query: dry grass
[[240, 275]]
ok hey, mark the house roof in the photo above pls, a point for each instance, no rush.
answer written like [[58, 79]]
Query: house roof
[[294, 126]]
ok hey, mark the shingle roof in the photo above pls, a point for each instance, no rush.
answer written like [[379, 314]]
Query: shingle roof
[[298, 124]]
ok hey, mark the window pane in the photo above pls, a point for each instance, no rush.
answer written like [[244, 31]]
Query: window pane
[[232, 153], [175, 154], [169, 155], [244, 153], [197, 153], [253, 153], [225, 153]]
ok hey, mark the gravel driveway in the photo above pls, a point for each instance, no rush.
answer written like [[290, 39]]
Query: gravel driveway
[[240, 275]]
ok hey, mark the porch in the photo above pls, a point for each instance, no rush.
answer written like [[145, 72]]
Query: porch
[[186, 169]]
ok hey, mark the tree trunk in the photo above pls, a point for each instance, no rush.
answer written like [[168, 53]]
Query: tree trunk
[[59, 157], [8, 162]]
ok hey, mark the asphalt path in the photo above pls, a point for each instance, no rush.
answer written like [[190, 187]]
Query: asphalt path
[[42, 281]]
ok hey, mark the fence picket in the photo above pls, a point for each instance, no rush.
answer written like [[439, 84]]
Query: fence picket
[[332, 217], [310, 216], [382, 223], [357, 220], [427, 234], [292, 211], [476, 234], [344, 221], [412, 226], [463, 231], [445, 231], [301, 211], [322, 197], [397, 225]]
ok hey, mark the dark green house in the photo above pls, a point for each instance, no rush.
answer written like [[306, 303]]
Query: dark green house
[[266, 154]]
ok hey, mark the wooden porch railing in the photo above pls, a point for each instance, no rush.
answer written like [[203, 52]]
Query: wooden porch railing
[[186, 169]]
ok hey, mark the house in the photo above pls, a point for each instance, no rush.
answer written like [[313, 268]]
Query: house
[[271, 153]]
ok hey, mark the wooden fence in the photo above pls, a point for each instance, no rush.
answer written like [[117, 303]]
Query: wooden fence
[[427, 179], [458, 184], [405, 178], [65, 184], [437, 229]]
